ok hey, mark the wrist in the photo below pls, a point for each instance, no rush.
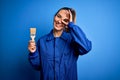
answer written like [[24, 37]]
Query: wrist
[[70, 24]]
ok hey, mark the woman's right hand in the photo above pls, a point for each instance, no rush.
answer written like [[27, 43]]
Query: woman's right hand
[[32, 46]]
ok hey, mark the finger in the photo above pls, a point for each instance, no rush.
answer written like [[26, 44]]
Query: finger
[[32, 43], [31, 46], [66, 23], [70, 16], [32, 49]]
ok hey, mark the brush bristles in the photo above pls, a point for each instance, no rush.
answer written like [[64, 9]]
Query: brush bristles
[[32, 30]]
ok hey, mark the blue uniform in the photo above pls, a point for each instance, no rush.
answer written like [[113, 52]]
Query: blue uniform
[[56, 57]]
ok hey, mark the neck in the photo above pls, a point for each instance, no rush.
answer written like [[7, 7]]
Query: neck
[[57, 33]]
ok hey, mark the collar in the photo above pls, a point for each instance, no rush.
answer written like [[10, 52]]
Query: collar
[[50, 36]]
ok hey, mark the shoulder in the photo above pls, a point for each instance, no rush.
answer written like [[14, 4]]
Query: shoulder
[[45, 37]]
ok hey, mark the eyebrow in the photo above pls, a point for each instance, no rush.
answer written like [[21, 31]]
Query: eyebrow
[[61, 16], [58, 14]]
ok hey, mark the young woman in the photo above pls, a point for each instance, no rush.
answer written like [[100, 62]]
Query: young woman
[[56, 53]]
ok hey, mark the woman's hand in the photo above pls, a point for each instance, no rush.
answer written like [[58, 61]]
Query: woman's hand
[[70, 16], [32, 46], [66, 22]]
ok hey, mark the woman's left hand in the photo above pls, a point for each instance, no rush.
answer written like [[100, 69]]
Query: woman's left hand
[[70, 16], [66, 22]]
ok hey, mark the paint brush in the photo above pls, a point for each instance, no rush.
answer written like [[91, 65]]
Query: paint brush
[[33, 33]]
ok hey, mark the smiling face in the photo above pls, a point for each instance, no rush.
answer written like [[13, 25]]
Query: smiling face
[[62, 15]]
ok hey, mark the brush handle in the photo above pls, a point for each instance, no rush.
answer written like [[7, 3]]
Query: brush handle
[[32, 37]]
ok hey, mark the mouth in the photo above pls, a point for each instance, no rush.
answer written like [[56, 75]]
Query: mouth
[[58, 24]]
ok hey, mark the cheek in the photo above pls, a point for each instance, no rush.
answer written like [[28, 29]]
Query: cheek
[[56, 19]]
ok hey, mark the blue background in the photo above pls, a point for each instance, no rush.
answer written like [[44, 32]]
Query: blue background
[[99, 19]]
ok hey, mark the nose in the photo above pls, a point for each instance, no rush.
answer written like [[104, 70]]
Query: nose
[[59, 21]]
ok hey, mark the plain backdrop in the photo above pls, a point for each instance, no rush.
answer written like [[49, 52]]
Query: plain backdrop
[[99, 19]]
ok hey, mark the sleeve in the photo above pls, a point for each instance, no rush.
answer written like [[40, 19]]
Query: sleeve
[[34, 58], [81, 44]]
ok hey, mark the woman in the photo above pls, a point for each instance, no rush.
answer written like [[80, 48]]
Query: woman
[[56, 53]]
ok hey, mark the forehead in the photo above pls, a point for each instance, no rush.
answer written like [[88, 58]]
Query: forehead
[[64, 13]]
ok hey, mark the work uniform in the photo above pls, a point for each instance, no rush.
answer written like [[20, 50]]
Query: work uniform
[[56, 57]]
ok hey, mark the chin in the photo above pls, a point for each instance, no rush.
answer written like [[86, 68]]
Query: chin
[[58, 28]]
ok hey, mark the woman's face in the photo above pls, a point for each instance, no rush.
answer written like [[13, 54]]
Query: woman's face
[[63, 15]]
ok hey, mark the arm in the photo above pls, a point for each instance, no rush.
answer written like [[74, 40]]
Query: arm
[[34, 57], [81, 43]]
